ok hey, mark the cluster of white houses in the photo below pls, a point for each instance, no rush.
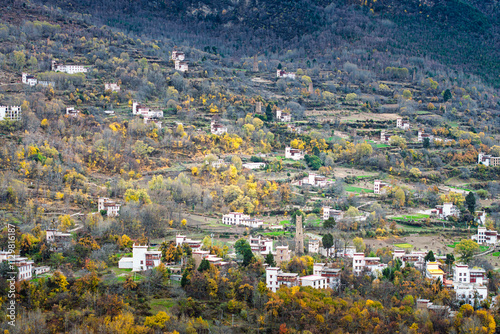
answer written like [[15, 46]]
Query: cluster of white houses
[[11, 113], [314, 180], [238, 218], [31, 81], [282, 116], [70, 69], [488, 160], [149, 116], [178, 58], [323, 277]]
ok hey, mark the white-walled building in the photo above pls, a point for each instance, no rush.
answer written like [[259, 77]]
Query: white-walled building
[[385, 137], [485, 236], [181, 66], [70, 69], [421, 135], [314, 180], [361, 263], [142, 259], [178, 55], [218, 163], [217, 128], [29, 80], [314, 245], [24, 266], [446, 210], [378, 187], [282, 116], [314, 281], [332, 275], [254, 165], [488, 160], [182, 239], [401, 124], [238, 218], [111, 207], [112, 87], [12, 113], [262, 246], [480, 218], [285, 74], [469, 283], [415, 258], [328, 212], [153, 120], [294, 154], [70, 111], [275, 278]]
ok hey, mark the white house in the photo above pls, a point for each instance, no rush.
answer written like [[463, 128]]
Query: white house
[[70, 69], [313, 246], [153, 120], [446, 210], [480, 218], [485, 236], [238, 218], [328, 212], [372, 264], [378, 187], [275, 278], [314, 180], [29, 80], [385, 137], [219, 163], [141, 259], [181, 66], [405, 125], [463, 274], [112, 87], [433, 271], [415, 258], [294, 154], [284, 74], [488, 160], [111, 207], [254, 165], [469, 283], [178, 55], [216, 128], [41, 270], [422, 135], [262, 246], [182, 239], [24, 266], [12, 113], [314, 281], [282, 116], [72, 112]]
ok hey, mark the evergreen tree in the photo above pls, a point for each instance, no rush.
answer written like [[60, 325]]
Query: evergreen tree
[[327, 241], [470, 202], [270, 260], [329, 223], [430, 257], [269, 113], [204, 265], [243, 248], [427, 142], [447, 95]]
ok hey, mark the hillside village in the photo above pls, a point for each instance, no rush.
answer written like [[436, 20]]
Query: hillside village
[[268, 193]]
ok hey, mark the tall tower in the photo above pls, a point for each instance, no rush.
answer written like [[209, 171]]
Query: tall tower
[[258, 107], [255, 64], [299, 235]]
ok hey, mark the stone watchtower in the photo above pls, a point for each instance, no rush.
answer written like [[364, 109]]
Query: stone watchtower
[[299, 235], [255, 67]]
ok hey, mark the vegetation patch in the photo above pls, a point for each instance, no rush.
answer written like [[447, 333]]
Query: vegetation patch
[[357, 190], [405, 245]]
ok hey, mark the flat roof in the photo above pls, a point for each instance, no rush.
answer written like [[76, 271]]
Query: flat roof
[[313, 278]]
